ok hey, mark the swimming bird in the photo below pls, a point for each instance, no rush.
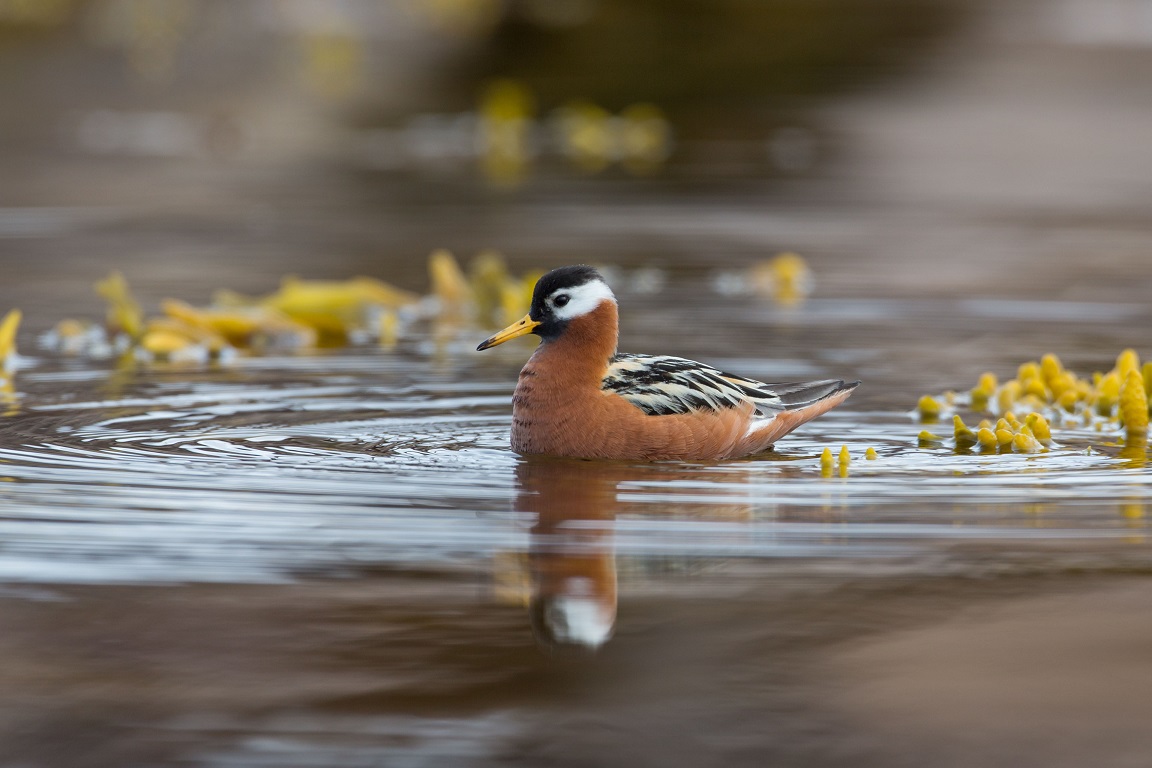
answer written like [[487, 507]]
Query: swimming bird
[[578, 397]]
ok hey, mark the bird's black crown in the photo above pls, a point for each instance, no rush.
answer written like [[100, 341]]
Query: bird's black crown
[[563, 277], [556, 280]]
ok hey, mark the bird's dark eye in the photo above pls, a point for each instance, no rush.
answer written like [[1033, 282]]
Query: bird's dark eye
[[561, 300]]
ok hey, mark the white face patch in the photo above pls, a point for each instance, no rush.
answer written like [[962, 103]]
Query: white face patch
[[581, 300]]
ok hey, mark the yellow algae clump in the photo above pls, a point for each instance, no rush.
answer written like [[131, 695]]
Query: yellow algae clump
[[644, 138], [487, 278], [255, 326], [1127, 361], [928, 440], [983, 391], [333, 308], [1039, 428], [123, 312], [516, 297], [167, 338], [1051, 368], [826, 463], [506, 110], [929, 407], [1024, 442], [1107, 394], [448, 282], [870, 454], [1045, 391], [1008, 395], [585, 134], [785, 278], [987, 439], [389, 330], [965, 437], [1134, 403], [8, 328]]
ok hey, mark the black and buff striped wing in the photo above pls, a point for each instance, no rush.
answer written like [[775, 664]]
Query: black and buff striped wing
[[660, 386]]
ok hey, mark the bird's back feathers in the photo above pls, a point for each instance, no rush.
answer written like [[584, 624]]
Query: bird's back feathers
[[661, 385]]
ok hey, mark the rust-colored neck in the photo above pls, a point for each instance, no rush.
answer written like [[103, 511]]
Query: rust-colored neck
[[581, 353]]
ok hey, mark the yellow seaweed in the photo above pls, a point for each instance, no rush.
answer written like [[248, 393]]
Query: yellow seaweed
[[928, 440], [644, 137], [1134, 403], [124, 313], [8, 327], [389, 330], [965, 437], [1024, 442], [785, 278], [987, 439], [826, 462], [1108, 393], [448, 282], [1039, 428], [254, 326], [506, 110], [1127, 361], [333, 308], [929, 407]]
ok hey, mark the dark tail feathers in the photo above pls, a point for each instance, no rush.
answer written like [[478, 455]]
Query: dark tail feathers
[[800, 394]]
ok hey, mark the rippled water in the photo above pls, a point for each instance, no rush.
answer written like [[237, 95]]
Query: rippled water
[[336, 558], [330, 464]]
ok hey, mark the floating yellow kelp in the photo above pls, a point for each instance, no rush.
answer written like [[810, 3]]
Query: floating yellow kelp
[[839, 464], [644, 138], [785, 278], [930, 408], [827, 463], [173, 340], [449, 285], [505, 128], [8, 327], [500, 298], [333, 308], [302, 314], [124, 314], [252, 327], [593, 139], [965, 437], [1133, 402], [1049, 392], [1008, 435]]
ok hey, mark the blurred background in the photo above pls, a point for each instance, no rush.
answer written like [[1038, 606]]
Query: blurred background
[[203, 142], [333, 558]]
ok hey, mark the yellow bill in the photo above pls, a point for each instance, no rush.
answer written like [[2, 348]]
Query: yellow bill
[[521, 327]]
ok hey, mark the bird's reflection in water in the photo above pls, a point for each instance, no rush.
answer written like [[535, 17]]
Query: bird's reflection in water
[[571, 556], [572, 559]]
